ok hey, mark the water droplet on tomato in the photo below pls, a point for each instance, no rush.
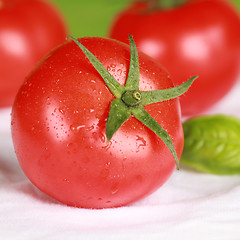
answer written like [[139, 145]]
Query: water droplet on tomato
[[115, 188], [141, 142], [66, 180], [107, 146], [76, 127], [61, 110], [102, 137], [119, 71], [90, 128]]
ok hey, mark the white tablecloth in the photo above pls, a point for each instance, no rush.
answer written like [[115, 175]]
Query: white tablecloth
[[190, 205]]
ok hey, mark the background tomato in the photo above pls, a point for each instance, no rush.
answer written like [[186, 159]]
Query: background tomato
[[28, 30], [199, 38], [92, 18], [59, 124]]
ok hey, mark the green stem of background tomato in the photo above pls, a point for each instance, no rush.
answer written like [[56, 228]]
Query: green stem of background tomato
[[164, 4]]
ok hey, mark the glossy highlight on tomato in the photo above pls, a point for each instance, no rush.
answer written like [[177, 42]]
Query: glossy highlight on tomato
[[29, 29], [59, 128], [200, 37]]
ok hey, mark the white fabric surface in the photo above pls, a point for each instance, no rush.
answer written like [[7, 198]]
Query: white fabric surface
[[190, 205]]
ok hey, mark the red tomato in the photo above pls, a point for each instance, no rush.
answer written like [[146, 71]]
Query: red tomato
[[59, 124], [200, 38], [29, 29]]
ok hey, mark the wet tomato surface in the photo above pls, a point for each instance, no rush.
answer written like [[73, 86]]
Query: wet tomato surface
[[59, 128]]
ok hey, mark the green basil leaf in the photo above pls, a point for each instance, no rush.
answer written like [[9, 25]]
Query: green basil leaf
[[212, 144]]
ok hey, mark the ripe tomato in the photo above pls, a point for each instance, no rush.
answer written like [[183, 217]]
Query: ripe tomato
[[200, 37], [29, 29], [59, 124]]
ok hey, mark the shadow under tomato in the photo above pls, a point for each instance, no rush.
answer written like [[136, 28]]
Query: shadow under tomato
[[36, 195], [12, 178], [10, 170]]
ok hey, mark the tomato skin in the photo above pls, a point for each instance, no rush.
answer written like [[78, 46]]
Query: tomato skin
[[201, 38], [29, 29], [59, 124]]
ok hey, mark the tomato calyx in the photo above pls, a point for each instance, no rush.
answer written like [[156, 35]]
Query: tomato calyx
[[130, 100]]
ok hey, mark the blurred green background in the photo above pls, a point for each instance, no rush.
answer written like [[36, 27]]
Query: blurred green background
[[89, 17], [236, 2], [93, 17]]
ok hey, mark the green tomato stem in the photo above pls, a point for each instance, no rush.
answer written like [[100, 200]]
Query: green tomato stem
[[155, 96], [130, 100], [115, 87], [133, 73], [143, 116], [118, 115]]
